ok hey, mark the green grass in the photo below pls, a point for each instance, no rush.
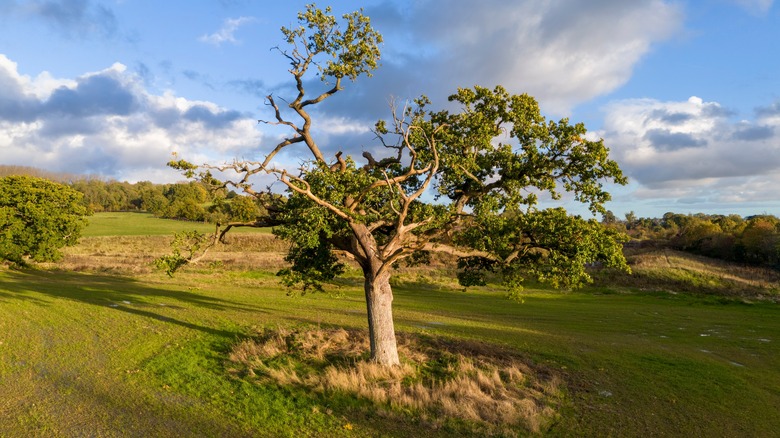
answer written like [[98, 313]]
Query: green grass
[[118, 355], [145, 224], [676, 271], [114, 354]]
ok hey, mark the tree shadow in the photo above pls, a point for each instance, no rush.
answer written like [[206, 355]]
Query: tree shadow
[[115, 292], [108, 409]]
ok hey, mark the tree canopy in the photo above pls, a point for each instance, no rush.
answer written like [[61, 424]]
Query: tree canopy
[[752, 240], [465, 182], [37, 218]]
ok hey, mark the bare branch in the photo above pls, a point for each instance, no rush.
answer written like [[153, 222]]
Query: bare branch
[[278, 114], [391, 181], [336, 88], [469, 174], [378, 224], [458, 252], [340, 165]]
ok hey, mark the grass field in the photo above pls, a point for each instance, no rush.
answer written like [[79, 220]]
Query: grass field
[[113, 352], [144, 224]]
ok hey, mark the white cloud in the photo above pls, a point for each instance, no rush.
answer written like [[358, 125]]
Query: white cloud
[[225, 34], [40, 87], [695, 150], [107, 123], [562, 52], [341, 126]]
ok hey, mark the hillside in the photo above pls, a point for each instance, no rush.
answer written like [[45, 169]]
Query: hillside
[[677, 271]]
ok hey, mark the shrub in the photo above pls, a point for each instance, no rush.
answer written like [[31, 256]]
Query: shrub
[[37, 218]]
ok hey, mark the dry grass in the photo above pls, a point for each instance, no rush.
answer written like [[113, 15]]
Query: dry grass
[[133, 255], [677, 271], [749, 275], [437, 379]]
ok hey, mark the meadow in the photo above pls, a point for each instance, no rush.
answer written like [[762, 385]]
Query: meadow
[[144, 224], [100, 344]]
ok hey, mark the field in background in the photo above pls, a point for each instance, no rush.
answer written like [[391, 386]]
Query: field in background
[[105, 346], [144, 224]]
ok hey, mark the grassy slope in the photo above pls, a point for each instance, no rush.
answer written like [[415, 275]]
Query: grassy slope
[[144, 224], [143, 356]]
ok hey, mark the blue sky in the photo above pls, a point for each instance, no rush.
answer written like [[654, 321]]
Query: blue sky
[[685, 93]]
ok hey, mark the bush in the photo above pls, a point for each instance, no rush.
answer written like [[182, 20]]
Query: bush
[[37, 218]]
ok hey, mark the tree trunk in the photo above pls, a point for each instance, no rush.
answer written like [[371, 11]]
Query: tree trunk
[[379, 304]]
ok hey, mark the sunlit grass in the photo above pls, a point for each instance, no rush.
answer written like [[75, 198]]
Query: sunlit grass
[[439, 381], [104, 348], [145, 224], [676, 271], [113, 352]]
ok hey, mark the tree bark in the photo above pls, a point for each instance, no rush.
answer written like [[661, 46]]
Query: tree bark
[[379, 304]]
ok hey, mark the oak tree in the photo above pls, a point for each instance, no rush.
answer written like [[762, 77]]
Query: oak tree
[[465, 182], [37, 218]]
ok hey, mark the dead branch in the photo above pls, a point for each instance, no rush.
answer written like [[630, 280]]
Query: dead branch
[[340, 164]]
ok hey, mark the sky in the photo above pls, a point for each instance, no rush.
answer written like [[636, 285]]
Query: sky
[[686, 94]]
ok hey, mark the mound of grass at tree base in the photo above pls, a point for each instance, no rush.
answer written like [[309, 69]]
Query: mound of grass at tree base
[[441, 382]]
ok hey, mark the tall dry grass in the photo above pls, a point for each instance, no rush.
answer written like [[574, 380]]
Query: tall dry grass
[[437, 379], [676, 271], [133, 255]]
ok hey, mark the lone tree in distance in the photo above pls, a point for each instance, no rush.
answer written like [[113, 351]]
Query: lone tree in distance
[[483, 166]]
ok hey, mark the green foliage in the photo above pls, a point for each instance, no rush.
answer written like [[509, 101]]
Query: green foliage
[[352, 51], [754, 240], [310, 266], [185, 245], [37, 218], [497, 177], [487, 183], [243, 209], [153, 200], [495, 173], [102, 195], [472, 271], [310, 229], [486, 162], [193, 201]]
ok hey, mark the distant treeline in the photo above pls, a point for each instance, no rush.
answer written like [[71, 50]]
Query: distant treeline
[[60, 177], [185, 200], [753, 240]]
